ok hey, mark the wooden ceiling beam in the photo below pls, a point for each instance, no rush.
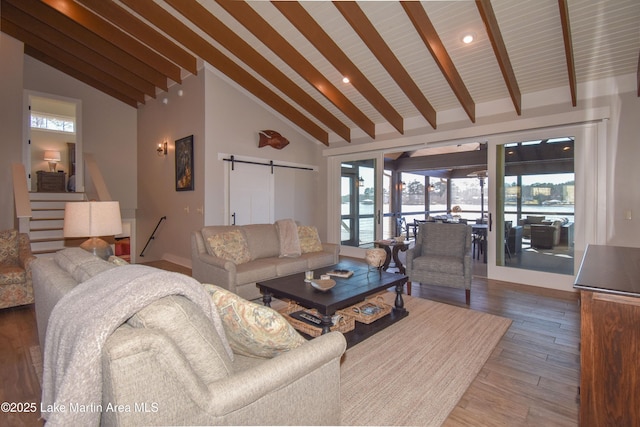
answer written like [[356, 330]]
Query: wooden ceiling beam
[[54, 19], [376, 44], [260, 28], [111, 33], [169, 24], [500, 50], [203, 19], [143, 32], [40, 47], [73, 72], [568, 50], [427, 32], [44, 37], [300, 18]]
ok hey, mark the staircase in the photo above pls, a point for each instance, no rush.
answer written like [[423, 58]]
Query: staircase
[[47, 221]]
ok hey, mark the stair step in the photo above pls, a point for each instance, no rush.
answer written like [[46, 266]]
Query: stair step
[[47, 214], [48, 204], [46, 234], [57, 196], [47, 223], [47, 245]]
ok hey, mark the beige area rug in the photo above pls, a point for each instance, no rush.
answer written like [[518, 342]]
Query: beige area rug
[[415, 371]]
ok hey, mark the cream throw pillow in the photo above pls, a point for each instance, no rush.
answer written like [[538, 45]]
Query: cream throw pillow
[[231, 246], [309, 239], [252, 329]]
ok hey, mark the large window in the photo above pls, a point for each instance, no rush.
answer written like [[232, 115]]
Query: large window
[[52, 122], [413, 197], [470, 195]]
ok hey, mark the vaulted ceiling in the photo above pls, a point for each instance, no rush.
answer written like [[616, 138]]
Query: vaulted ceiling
[[404, 60]]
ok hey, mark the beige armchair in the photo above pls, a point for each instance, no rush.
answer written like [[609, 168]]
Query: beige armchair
[[442, 256], [15, 269]]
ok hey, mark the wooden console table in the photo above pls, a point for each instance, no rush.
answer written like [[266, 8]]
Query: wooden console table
[[51, 182], [609, 284]]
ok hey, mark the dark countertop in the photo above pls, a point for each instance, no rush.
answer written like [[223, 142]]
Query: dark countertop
[[610, 269]]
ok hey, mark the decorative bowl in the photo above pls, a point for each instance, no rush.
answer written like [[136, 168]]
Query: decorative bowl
[[323, 285]]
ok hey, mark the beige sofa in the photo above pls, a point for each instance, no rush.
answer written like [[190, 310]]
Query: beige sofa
[[175, 373], [265, 262]]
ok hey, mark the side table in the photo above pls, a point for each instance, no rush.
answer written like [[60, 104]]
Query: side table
[[393, 248]]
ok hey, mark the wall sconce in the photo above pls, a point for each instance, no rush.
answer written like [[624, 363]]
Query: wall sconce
[[401, 186], [52, 157], [360, 182], [162, 149]]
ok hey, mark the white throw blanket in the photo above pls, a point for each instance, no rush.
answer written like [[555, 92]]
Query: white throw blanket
[[82, 321], [288, 235]]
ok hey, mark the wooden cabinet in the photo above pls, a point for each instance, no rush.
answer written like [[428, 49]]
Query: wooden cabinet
[[51, 181], [610, 336]]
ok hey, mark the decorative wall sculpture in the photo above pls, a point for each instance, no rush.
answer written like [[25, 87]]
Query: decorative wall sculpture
[[272, 139]]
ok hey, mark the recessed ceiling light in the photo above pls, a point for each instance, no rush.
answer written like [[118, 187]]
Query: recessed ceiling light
[[345, 80], [468, 38]]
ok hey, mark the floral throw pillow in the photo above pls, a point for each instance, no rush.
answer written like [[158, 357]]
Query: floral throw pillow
[[9, 248], [231, 246], [252, 329], [309, 239]]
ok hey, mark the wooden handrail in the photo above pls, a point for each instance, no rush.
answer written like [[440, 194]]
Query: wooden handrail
[[93, 170], [21, 196]]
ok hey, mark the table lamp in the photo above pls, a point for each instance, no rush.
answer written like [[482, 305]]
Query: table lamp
[[52, 157], [93, 219]]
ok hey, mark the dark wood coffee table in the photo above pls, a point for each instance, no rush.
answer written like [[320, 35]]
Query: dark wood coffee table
[[347, 292]]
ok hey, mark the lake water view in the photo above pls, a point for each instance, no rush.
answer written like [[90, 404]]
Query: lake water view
[[470, 212]]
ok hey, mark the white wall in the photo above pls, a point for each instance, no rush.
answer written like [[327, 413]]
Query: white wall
[[11, 71], [108, 129], [623, 157], [233, 121], [224, 121], [180, 117]]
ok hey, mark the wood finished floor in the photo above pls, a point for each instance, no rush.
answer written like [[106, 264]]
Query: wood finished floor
[[531, 379]]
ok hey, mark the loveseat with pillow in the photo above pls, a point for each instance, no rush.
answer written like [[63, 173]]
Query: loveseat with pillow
[[527, 222], [236, 257], [546, 235], [134, 345]]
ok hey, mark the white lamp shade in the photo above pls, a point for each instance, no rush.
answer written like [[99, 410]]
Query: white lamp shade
[[92, 219], [52, 156]]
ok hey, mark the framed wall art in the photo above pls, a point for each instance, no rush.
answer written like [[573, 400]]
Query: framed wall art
[[184, 164]]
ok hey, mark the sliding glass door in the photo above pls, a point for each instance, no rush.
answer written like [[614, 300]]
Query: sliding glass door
[[543, 204], [358, 211]]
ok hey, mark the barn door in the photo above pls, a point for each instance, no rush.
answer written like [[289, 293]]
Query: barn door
[[251, 194]]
